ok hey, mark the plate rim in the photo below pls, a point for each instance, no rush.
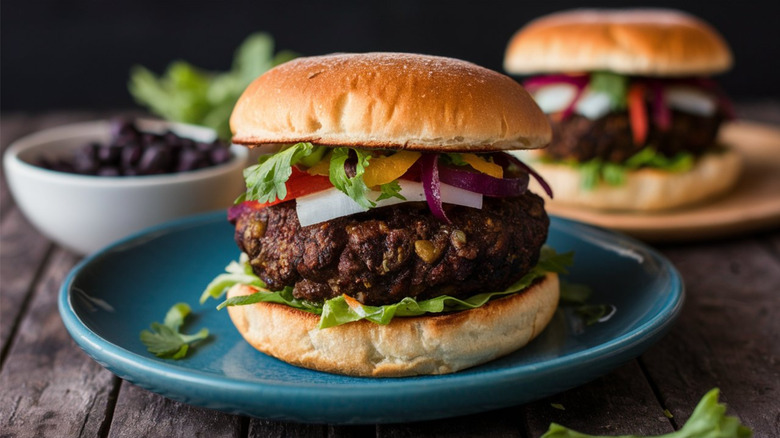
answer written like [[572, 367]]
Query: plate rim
[[117, 358]]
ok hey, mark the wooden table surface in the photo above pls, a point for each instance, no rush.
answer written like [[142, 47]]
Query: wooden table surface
[[728, 336]]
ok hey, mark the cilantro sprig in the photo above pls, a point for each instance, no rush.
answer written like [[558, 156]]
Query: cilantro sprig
[[708, 420], [166, 340], [265, 181], [354, 186], [614, 85]]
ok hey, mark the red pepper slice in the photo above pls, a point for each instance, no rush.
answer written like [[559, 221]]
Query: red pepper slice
[[637, 113], [299, 184]]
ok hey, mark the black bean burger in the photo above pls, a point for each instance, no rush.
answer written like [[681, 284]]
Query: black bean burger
[[389, 233], [634, 111]]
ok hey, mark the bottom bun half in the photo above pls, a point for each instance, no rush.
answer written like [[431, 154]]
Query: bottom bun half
[[713, 174], [408, 345]]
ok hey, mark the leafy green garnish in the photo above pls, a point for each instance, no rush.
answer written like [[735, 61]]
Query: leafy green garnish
[[574, 293], [613, 85], [649, 157], [708, 420], [338, 311], [165, 340], [391, 190], [353, 187], [185, 93], [454, 159], [593, 313], [594, 171], [265, 181], [235, 273]]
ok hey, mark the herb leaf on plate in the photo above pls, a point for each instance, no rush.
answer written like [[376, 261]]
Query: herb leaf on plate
[[165, 340]]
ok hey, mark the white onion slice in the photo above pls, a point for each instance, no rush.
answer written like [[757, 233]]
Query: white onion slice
[[690, 100], [556, 97], [332, 203]]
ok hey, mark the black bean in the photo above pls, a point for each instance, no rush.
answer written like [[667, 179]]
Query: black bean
[[121, 127], [130, 155], [154, 160], [109, 155], [220, 155], [85, 160], [190, 159]]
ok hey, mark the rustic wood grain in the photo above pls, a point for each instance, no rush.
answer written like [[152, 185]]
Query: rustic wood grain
[[728, 335], [502, 423], [264, 428], [140, 413], [22, 255], [50, 387], [620, 403]]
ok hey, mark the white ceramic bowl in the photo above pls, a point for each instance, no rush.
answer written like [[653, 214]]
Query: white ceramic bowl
[[85, 213]]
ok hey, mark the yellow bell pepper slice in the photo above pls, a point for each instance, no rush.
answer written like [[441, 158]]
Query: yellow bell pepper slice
[[386, 169], [484, 166], [322, 167]]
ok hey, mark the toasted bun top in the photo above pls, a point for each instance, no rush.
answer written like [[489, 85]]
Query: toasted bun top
[[650, 42], [389, 100]]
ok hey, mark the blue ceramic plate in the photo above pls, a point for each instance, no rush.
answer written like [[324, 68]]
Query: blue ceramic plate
[[110, 297]]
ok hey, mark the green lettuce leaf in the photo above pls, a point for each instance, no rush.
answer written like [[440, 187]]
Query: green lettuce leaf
[[595, 171], [337, 311], [708, 420]]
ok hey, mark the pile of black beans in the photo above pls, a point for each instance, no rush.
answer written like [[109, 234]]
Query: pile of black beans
[[131, 152]]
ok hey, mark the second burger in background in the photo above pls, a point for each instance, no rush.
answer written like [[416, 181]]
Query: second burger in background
[[635, 115], [390, 234]]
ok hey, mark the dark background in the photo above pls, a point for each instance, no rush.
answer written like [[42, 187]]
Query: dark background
[[77, 53]]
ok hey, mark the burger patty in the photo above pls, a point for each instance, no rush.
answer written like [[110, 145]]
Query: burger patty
[[610, 138], [388, 253]]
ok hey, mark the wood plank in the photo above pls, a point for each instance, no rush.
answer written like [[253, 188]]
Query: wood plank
[[50, 387], [495, 424], [140, 413], [21, 255], [620, 403], [727, 335], [263, 428]]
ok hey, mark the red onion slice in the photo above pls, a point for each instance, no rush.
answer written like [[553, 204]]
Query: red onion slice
[[661, 113], [235, 211], [540, 81], [482, 183], [579, 82], [504, 159], [429, 174]]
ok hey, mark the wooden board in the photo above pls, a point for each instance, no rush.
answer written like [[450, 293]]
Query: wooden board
[[752, 205]]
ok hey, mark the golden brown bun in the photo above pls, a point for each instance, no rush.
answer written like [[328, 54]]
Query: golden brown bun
[[389, 100], [405, 347], [645, 189], [648, 42]]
